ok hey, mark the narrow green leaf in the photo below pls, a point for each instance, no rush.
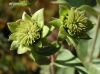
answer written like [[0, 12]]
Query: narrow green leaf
[[39, 17]]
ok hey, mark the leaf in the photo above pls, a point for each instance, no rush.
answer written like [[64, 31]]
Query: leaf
[[45, 31], [85, 36], [25, 16], [39, 59], [93, 69], [65, 55], [67, 70], [12, 26], [56, 23], [22, 49], [39, 17], [81, 70], [77, 3], [82, 50], [89, 10]]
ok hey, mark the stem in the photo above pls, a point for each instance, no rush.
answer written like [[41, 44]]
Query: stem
[[52, 67], [95, 39]]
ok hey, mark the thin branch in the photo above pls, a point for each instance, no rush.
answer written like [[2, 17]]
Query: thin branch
[[52, 67], [95, 39]]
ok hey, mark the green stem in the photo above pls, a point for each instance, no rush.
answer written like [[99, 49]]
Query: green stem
[[95, 39]]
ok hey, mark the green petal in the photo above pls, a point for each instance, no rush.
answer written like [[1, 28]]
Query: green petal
[[12, 36], [39, 17], [12, 26], [14, 45], [45, 31]]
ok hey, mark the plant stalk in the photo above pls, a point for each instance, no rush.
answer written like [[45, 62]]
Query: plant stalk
[[95, 39], [52, 67]]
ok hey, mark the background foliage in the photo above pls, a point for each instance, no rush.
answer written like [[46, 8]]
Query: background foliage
[[67, 60]]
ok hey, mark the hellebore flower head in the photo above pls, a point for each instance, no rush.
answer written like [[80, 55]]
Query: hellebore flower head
[[26, 31], [76, 22]]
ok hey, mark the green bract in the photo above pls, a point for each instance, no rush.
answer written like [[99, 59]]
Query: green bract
[[27, 31], [76, 23]]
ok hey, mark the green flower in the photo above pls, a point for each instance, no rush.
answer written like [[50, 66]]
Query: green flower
[[27, 31], [76, 23]]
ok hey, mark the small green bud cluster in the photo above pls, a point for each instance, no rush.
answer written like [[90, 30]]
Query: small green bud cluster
[[76, 22]]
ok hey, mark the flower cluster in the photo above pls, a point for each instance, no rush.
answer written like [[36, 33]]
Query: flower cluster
[[26, 31], [76, 22]]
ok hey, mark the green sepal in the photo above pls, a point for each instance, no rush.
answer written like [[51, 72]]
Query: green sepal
[[39, 17], [85, 36], [45, 31], [56, 23], [12, 36], [38, 44], [62, 34], [23, 49], [25, 16], [12, 26], [14, 45]]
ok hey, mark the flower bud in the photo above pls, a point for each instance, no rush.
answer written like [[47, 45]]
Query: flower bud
[[76, 22]]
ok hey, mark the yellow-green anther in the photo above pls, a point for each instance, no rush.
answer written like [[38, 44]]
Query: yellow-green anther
[[76, 22], [27, 32]]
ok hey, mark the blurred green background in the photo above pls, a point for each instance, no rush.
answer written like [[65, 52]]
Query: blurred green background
[[10, 61]]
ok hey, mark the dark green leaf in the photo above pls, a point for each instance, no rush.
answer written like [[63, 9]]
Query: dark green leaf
[[41, 60], [85, 36], [48, 50]]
